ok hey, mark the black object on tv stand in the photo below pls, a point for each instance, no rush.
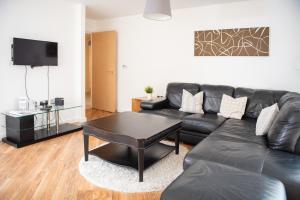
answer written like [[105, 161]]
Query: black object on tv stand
[[20, 131]]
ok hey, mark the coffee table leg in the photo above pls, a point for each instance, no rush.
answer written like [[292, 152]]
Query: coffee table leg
[[86, 147], [177, 139], [141, 164]]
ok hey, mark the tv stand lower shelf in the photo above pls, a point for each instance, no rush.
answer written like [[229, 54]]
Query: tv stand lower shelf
[[45, 134]]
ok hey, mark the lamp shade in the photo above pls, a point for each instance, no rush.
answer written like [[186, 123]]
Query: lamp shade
[[158, 10]]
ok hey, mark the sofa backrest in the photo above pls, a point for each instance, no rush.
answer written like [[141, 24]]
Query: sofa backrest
[[258, 99], [174, 92], [288, 97], [284, 133], [213, 96]]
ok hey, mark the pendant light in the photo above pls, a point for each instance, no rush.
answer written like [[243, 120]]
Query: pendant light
[[158, 10]]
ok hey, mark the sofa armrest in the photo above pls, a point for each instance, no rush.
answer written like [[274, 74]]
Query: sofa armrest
[[154, 104]]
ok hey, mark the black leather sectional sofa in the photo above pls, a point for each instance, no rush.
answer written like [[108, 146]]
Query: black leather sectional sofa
[[229, 143]]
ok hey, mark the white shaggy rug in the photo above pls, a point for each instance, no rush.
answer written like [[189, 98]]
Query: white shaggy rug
[[124, 179]]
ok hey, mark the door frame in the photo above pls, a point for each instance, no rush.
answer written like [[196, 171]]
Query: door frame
[[87, 56]]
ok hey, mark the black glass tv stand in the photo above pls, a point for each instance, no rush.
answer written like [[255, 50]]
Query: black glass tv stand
[[23, 129]]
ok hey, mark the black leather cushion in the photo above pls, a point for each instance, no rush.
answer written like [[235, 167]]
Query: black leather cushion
[[212, 181], [243, 130], [290, 96], [257, 99], [228, 151], [167, 112], [278, 94], [233, 144], [190, 137], [285, 167], [204, 123], [213, 96], [284, 133], [174, 92]]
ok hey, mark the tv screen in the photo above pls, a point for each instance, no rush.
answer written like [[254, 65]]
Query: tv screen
[[34, 52]]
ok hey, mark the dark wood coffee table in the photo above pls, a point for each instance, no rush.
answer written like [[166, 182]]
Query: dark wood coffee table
[[134, 139]]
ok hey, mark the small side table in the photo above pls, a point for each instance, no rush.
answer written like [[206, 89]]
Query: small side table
[[136, 102]]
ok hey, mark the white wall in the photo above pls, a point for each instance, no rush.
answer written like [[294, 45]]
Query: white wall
[[55, 20], [91, 25], [160, 52]]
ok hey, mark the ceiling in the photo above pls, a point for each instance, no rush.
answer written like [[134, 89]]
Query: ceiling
[[102, 9]]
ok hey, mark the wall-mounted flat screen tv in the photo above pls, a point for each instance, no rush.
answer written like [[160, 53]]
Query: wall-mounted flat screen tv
[[34, 52]]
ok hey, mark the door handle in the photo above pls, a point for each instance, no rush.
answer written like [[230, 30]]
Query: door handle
[[110, 71]]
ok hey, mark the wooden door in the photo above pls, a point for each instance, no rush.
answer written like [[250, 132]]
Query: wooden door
[[104, 61]]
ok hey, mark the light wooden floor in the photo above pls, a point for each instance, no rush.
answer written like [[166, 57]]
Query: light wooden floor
[[49, 170]]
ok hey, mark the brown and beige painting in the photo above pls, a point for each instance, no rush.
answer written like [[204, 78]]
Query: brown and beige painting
[[232, 42]]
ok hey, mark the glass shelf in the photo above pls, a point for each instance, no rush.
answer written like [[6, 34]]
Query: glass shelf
[[35, 127], [38, 111]]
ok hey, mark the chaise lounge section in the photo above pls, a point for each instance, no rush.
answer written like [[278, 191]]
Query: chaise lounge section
[[214, 181], [233, 143]]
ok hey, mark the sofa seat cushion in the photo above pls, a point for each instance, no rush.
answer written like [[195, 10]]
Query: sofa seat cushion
[[213, 181], [189, 137], [285, 167], [243, 130], [204, 123], [228, 151], [168, 112], [234, 143]]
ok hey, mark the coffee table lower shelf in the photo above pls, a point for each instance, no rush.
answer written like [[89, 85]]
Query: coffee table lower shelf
[[127, 156]]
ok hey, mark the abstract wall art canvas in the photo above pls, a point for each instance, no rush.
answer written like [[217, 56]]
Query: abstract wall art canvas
[[232, 42]]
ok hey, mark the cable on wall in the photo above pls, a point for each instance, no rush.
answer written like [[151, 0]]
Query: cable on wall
[[26, 91], [48, 85]]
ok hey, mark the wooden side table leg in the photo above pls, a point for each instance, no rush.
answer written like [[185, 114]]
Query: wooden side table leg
[[177, 139], [141, 164], [86, 147]]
